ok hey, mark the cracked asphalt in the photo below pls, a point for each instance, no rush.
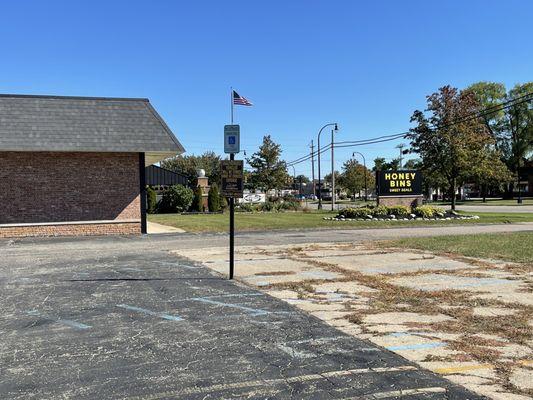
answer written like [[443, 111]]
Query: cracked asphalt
[[121, 318]]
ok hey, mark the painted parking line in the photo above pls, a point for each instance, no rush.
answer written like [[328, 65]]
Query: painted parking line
[[416, 346], [233, 295], [293, 379], [472, 367], [461, 368], [149, 312], [67, 322], [404, 392], [253, 311], [176, 264]]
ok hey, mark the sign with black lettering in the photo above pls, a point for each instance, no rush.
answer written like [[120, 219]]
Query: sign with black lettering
[[232, 172], [399, 183]]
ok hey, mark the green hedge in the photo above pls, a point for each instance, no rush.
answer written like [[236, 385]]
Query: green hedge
[[278, 205], [397, 211]]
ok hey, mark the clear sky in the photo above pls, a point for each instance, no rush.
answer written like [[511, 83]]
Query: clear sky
[[365, 64]]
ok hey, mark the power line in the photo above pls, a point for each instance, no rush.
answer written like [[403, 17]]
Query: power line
[[385, 138]]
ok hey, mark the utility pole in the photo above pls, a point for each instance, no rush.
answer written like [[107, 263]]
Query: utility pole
[[313, 168], [401, 146], [332, 175]]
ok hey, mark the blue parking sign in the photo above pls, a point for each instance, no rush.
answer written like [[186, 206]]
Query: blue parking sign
[[232, 141]]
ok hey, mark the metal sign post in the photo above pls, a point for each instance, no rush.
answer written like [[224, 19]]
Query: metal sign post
[[232, 172]]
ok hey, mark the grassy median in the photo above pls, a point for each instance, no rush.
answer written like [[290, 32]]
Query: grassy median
[[309, 220], [516, 246]]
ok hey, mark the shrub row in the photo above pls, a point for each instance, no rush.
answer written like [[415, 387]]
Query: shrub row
[[270, 206], [178, 198], [398, 211]]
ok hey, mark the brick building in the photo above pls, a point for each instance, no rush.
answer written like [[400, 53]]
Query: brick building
[[76, 165]]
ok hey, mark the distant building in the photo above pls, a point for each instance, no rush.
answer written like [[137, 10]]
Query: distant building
[[76, 165]]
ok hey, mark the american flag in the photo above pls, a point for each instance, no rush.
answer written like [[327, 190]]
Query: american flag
[[239, 100]]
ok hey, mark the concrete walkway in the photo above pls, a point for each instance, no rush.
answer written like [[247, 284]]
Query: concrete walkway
[[155, 228]]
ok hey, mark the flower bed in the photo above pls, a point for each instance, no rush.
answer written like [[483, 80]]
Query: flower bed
[[398, 213]]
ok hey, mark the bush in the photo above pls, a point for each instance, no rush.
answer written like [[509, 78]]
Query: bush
[[245, 207], [269, 206], [197, 202], [399, 211], [151, 200], [213, 199], [427, 211], [380, 211], [176, 198], [291, 205], [360, 212], [223, 202]]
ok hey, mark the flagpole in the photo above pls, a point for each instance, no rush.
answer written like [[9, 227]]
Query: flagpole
[[231, 100]]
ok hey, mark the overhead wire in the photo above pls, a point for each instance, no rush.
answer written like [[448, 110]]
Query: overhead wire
[[385, 138]]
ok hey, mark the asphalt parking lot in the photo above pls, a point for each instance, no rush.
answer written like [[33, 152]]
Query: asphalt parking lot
[[123, 318]]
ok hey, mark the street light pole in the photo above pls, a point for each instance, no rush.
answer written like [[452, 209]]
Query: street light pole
[[319, 180], [313, 169], [364, 165], [332, 173]]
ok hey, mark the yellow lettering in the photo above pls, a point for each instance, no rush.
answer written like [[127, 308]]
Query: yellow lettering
[[394, 176], [402, 184], [413, 174], [392, 184], [401, 175], [387, 177], [408, 183]]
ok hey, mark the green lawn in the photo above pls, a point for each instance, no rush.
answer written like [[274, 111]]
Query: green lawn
[[526, 201], [308, 220], [516, 247]]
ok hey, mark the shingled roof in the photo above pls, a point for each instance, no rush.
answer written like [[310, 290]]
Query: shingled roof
[[84, 124]]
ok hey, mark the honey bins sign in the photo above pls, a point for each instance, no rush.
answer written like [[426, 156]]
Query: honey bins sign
[[399, 183]]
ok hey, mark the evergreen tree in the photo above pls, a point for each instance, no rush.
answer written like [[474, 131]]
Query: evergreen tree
[[197, 203], [269, 172], [213, 199], [151, 198]]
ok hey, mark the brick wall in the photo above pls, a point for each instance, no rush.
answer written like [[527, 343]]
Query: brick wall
[[89, 229], [400, 201], [38, 187]]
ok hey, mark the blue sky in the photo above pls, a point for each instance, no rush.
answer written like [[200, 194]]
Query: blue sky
[[367, 65]]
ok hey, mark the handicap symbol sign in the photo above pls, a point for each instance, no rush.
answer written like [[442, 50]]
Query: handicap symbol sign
[[231, 139]]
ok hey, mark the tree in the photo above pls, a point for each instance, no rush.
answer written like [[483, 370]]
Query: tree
[[327, 178], [353, 177], [412, 164], [176, 198], [213, 198], [512, 128], [151, 198], [303, 179], [197, 202], [489, 95], [190, 164], [381, 165], [453, 152], [519, 126], [269, 172]]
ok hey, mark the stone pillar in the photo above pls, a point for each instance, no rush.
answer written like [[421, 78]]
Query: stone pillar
[[203, 183]]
